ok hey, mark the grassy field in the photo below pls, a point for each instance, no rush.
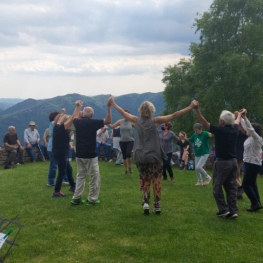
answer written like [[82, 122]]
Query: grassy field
[[117, 231]]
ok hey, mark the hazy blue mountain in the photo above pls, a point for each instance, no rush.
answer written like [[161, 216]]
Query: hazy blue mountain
[[7, 103], [28, 110]]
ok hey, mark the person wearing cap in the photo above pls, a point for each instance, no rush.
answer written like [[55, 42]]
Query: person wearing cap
[[13, 147], [32, 139], [200, 142]]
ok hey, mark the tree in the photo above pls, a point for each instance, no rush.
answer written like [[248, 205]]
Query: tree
[[227, 64], [179, 92]]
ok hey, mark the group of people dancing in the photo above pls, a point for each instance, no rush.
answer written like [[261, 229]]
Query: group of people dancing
[[151, 151], [237, 143]]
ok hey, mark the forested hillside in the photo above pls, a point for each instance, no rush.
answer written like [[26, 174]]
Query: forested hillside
[[28, 110]]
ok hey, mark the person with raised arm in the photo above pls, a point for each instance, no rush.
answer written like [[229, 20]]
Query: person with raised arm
[[86, 157], [147, 152], [252, 160], [225, 165]]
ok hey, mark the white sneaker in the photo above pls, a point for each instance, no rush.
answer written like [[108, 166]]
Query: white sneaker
[[207, 181], [146, 208], [110, 160], [199, 183]]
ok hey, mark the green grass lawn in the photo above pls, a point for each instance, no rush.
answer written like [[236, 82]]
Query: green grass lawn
[[117, 231]]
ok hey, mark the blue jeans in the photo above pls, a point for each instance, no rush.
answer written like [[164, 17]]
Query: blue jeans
[[30, 151], [105, 149], [71, 153], [63, 165], [53, 169]]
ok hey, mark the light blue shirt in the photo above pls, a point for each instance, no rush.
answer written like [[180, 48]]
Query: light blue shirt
[[31, 136], [50, 140]]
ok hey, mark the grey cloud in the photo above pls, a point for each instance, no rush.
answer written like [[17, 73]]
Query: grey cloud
[[66, 22]]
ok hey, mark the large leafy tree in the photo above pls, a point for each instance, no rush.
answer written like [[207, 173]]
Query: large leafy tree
[[225, 71]]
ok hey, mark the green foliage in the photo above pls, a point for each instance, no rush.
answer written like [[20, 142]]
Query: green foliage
[[225, 71], [187, 230]]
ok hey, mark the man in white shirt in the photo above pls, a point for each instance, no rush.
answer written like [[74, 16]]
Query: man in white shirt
[[102, 138], [32, 139]]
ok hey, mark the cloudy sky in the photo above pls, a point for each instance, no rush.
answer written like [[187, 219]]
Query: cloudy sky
[[92, 47]]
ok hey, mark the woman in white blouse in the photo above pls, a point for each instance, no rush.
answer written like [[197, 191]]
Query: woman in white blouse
[[252, 161]]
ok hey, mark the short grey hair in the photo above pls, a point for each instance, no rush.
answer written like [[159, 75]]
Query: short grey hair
[[197, 126], [88, 112], [11, 127], [228, 117]]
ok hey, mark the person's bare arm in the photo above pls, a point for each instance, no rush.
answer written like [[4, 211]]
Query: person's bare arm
[[114, 125], [202, 119], [108, 118], [78, 107], [163, 119], [125, 114]]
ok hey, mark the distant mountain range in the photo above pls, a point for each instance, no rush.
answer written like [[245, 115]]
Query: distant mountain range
[[7, 103], [24, 111]]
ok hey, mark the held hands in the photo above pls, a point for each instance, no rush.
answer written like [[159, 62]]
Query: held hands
[[194, 104], [110, 100], [79, 103], [243, 112]]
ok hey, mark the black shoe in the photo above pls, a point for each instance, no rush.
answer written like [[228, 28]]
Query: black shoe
[[7, 166], [255, 207], [72, 189], [222, 213], [232, 216]]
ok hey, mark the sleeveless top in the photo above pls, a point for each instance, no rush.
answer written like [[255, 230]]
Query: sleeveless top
[[126, 131], [147, 147]]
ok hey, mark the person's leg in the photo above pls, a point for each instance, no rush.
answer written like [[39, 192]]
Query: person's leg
[[145, 182], [70, 154], [249, 183], [123, 146], [98, 149], [62, 163], [31, 154], [221, 171], [164, 170], [106, 151], [11, 155], [230, 187], [52, 169], [119, 157], [185, 159], [94, 182], [20, 156], [198, 174], [69, 172], [156, 176], [80, 178], [129, 155], [199, 168], [168, 166]]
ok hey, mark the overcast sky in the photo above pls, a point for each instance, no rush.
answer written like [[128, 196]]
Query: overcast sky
[[91, 47]]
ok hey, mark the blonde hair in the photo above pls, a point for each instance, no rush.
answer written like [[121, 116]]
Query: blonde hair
[[184, 134], [146, 109], [63, 118]]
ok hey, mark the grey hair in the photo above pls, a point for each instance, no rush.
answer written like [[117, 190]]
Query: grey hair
[[88, 112], [11, 127], [197, 126], [228, 117], [146, 109]]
